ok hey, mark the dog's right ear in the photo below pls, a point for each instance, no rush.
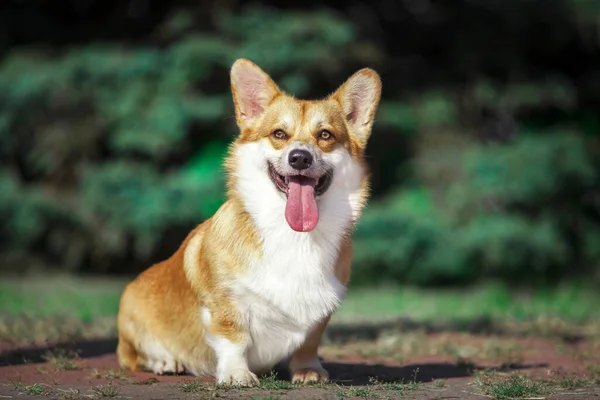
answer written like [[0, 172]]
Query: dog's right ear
[[359, 97], [252, 91]]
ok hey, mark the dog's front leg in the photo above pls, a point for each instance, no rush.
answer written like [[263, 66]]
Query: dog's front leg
[[305, 366], [232, 365], [230, 342]]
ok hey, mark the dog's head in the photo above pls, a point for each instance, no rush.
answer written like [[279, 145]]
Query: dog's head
[[296, 157]]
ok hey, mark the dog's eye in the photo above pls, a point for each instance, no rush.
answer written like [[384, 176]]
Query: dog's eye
[[279, 134], [325, 135]]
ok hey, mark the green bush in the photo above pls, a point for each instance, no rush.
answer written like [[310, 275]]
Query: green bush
[[112, 146], [486, 166], [406, 239], [508, 217]]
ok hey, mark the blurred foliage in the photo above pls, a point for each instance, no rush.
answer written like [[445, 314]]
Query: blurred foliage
[[511, 212], [108, 146], [485, 156]]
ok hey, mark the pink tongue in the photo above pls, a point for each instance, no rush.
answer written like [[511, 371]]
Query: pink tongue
[[301, 210]]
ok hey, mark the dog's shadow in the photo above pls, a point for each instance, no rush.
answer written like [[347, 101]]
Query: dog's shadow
[[83, 349], [342, 373], [347, 373]]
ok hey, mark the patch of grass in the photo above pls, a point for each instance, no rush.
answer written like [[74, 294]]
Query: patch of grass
[[193, 386], [440, 383], [381, 390], [96, 374], [42, 370], [572, 382], [465, 364], [91, 298], [513, 387], [148, 381], [58, 307], [106, 390], [494, 301], [54, 328], [54, 295], [507, 352], [62, 361], [113, 374], [352, 391], [400, 386], [70, 394], [32, 390], [595, 371], [71, 308], [400, 344], [272, 382]]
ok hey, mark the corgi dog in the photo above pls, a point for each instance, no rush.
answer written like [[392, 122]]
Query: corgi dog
[[257, 283]]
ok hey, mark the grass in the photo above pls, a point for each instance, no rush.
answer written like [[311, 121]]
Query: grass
[[595, 371], [465, 364], [93, 298], [120, 375], [358, 392], [493, 301], [106, 390], [115, 374], [399, 345], [519, 386], [70, 394], [514, 387], [49, 296], [62, 361], [192, 386], [51, 308], [270, 383], [573, 382], [380, 390], [149, 381], [375, 389], [32, 390]]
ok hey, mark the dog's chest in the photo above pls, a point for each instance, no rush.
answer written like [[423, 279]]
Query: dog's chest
[[287, 292]]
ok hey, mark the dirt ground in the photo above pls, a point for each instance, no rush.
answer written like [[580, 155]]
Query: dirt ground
[[417, 365], [358, 369]]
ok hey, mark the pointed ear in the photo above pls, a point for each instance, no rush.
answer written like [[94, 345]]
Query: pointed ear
[[252, 91], [359, 97]]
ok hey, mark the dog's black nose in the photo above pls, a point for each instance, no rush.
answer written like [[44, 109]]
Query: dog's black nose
[[300, 159]]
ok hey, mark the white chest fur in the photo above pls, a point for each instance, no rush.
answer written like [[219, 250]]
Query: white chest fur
[[293, 286], [287, 292]]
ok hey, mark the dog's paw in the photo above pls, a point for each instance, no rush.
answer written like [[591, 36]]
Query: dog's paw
[[310, 375], [168, 367], [238, 377]]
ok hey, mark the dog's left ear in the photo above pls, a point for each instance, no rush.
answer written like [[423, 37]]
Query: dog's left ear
[[359, 97], [252, 91]]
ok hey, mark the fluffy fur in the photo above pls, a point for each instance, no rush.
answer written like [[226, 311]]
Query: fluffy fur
[[245, 290]]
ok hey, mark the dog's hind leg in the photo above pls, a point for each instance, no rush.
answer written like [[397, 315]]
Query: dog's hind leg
[[127, 354]]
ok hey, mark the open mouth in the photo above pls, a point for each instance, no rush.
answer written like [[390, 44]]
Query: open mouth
[[301, 209], [282, 182]]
